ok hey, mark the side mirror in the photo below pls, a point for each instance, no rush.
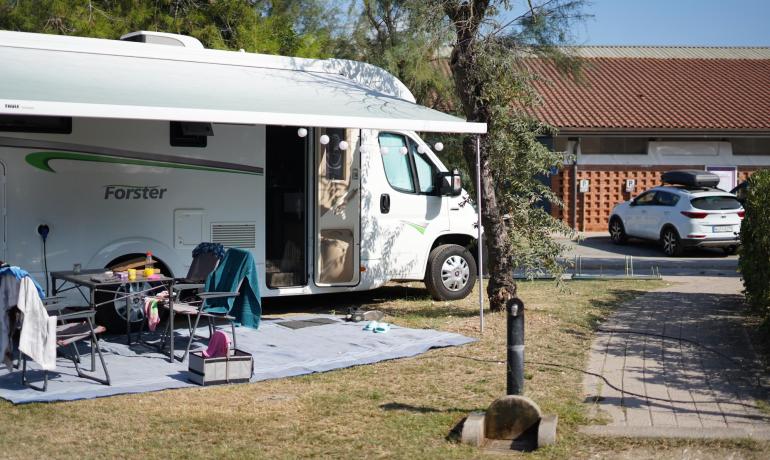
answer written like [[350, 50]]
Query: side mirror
[[450, 183], [632, 202]]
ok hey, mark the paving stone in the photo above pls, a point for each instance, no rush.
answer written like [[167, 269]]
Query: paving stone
[[694, 380]]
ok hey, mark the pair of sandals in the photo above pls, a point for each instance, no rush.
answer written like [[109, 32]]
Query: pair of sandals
[[377, 327], [357, 315]]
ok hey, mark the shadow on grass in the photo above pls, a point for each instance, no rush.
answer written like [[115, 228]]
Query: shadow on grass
[[396, 406], [417, 303]]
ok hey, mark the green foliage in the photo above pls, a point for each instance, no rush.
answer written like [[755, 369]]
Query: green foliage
[[289, 27], [494, 86], [754, 260], [410, 39], [520, 163], [392, 34]]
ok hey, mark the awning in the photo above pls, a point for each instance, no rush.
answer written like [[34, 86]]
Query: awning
[[66, 79]]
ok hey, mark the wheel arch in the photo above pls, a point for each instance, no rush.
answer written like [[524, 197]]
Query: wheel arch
[[460, 239], [614, 217], [667, 226], [129, 248], [159, 263]]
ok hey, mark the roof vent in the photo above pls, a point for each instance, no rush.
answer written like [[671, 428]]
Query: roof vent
[[162, 38]]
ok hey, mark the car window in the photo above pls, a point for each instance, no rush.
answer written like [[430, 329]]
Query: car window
[[397, 168], [426, 171], [645, 199], [715, 203], [667, 199]]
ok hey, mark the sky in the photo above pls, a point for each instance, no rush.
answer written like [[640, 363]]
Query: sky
[[676, 22]]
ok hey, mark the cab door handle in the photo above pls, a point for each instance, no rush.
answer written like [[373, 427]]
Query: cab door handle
[[384, 203]]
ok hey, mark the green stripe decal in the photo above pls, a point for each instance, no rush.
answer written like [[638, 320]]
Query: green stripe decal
[[42, 160], [419, 228]]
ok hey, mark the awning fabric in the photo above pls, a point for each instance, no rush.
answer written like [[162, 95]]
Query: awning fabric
[[66, 76]]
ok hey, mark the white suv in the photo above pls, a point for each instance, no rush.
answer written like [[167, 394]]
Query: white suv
[[680, 217]]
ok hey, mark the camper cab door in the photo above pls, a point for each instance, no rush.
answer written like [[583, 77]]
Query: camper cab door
[[338, 207]]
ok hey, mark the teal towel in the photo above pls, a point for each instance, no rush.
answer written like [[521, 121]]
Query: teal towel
[[238, 265]]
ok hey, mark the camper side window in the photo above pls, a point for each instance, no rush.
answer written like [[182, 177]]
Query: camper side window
[[426, 171], [35, 124], [395, 158]]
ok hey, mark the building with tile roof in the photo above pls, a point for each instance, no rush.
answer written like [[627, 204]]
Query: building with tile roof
[[635, 112]]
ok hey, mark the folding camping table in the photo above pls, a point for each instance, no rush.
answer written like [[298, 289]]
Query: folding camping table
[[63, 281]]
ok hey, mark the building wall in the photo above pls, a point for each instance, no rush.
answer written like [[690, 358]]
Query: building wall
[[607, 175], [607, 188]]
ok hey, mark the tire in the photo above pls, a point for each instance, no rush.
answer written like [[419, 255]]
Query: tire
[[671, 243], [112, 314], [617, 231], [450, 273]]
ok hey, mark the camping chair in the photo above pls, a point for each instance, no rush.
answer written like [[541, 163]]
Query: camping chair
[[74, 326], [233, 285], [206, 258]]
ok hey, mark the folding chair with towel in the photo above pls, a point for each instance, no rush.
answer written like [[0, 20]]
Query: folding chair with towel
[[231, 293], [73, 327], [42, 334], [206, 258]]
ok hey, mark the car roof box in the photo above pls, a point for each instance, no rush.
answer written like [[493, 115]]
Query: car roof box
[[690, 178]]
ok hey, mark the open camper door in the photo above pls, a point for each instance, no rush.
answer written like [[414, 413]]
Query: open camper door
[[338, 207]]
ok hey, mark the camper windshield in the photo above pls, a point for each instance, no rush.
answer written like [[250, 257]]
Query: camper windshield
[[395, 158]]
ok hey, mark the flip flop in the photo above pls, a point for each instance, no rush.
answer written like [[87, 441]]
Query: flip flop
[[382, 328], [371, 326]]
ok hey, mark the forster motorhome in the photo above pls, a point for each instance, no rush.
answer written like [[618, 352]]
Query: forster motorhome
[[120, 148]]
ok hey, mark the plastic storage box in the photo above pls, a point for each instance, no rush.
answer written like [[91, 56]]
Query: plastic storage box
[[236, 368]]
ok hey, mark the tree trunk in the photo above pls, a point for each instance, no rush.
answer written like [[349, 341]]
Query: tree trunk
[[501, 286], [467, 17]]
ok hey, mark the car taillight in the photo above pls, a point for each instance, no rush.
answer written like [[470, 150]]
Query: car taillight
[[741, 214], [695, 215]]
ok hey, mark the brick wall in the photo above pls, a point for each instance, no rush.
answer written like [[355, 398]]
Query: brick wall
[[607, 188]]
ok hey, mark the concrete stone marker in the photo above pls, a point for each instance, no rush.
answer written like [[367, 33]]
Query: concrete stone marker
[[510, 421]]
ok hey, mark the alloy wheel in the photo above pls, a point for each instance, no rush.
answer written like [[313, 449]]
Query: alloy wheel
[[133, 305], [616, 232], [670, 243]]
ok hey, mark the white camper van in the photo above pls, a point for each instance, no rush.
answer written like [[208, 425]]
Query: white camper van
[[125, 147]]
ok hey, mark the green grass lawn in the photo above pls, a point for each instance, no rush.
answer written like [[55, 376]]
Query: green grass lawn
[[406, 408]]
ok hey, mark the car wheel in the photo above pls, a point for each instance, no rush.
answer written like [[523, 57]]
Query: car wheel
[[672, 244], [617, 231], [730, 250], [451, 272], [114, 306]]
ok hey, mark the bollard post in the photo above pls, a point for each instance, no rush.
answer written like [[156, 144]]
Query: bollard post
[[515, 365]]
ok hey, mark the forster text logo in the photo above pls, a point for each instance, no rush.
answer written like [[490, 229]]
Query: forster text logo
[[134, 192]]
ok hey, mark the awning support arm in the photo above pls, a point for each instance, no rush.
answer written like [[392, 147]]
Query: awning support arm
[[479, 240]]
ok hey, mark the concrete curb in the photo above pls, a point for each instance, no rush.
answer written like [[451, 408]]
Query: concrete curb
[[760, 434]]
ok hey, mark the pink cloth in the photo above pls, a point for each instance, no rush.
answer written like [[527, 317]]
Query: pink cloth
[[219, 345], [151, 312]]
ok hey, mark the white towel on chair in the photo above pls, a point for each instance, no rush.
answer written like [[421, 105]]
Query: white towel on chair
[[38, 331]]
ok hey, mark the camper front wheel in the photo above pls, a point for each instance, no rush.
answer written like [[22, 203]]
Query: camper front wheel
[[451, 272]]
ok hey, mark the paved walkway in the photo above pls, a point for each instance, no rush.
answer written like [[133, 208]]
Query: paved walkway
[[676, 362]]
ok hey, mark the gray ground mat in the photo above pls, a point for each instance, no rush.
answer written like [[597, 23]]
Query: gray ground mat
[[278, 352], [302, 323]]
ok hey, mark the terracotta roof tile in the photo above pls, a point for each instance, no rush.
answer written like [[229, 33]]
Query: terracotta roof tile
[[694, 94]]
